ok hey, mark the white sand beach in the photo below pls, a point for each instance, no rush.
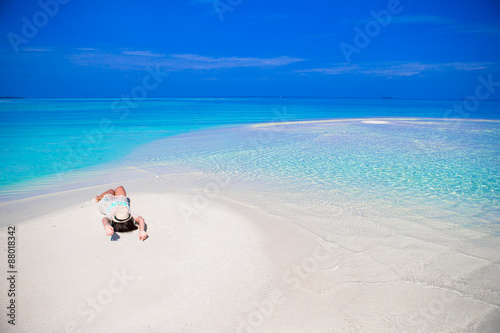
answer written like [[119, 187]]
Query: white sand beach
[[219, 263]]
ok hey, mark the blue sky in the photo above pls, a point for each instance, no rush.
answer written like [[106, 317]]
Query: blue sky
[[98, 49]]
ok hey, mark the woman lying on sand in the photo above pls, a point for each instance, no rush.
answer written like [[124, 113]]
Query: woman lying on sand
[[116, 206]]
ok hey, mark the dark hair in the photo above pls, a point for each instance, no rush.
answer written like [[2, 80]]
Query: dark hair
[[124, 226]]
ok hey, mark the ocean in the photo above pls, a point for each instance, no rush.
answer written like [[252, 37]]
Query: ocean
[[425, 151]]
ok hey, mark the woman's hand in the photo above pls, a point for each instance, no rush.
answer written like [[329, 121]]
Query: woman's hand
[[109, 230], [143, 235], [142, 228]]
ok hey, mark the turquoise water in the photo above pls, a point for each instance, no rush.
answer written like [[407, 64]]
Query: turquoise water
[[435, 167], [44, 138]]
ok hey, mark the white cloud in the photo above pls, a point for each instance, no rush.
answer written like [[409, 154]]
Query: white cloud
[[143, 54], [130, 59], [29, 49], [420, 19], [403, 19], [474, 29], [202, 62], [396, 69], [271, 17]]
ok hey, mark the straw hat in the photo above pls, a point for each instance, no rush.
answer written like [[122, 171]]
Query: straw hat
[[122, 214]]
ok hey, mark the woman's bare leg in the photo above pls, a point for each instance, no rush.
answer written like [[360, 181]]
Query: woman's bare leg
[[99, 197], [120, 190]]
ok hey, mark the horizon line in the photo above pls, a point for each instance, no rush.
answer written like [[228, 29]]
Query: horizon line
[[240, 96]]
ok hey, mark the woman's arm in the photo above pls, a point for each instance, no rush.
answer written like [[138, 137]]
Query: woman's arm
[[142, 228], [107, 226]]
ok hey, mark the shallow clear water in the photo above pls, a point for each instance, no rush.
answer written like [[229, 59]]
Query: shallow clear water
[[431, 166], [44, 138]]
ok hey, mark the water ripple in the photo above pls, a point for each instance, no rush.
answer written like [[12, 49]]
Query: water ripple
[[435, 163]]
